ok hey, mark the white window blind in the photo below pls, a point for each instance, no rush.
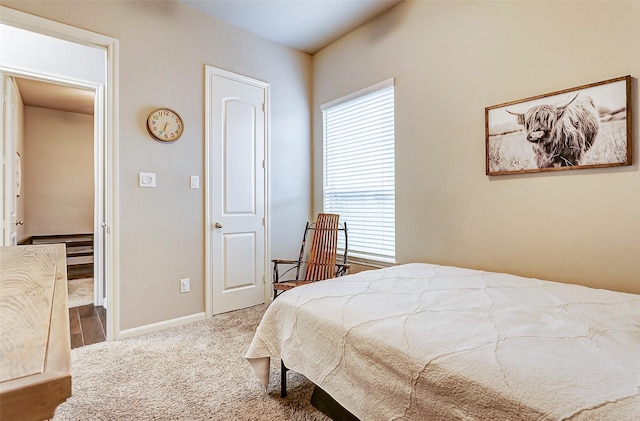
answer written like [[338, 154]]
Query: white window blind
[[359, 169]]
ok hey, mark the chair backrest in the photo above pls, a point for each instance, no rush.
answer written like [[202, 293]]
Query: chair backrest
[[324, 246]]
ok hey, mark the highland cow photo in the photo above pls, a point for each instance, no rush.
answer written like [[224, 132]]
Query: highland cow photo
[[584, 127]]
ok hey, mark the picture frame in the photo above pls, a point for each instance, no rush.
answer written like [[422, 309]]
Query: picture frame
[[589, 126]]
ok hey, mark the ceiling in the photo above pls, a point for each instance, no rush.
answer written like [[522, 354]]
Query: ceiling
[[306, 25], [58, 97]]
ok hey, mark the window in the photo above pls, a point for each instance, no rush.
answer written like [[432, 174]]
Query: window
[[359, 169]]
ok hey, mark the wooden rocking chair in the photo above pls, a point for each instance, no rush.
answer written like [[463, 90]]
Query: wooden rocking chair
[[322, 263]]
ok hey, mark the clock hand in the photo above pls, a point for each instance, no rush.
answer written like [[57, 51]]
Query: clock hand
[[164, 128]]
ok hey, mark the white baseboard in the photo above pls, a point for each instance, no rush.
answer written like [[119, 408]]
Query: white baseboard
[[154, 327]]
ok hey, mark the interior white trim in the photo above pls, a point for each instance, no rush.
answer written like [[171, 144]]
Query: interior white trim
[[154, 327], [380, 85], [110, 145]]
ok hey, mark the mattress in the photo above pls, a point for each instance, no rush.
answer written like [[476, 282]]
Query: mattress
[[422, 341]]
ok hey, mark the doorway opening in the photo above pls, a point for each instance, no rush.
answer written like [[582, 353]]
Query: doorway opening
[[102, 89], [57, 202]]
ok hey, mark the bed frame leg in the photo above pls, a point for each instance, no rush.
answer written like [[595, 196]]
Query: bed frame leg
[[283, 380]]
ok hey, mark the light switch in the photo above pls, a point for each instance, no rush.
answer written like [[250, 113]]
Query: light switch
[[146, 179], [195, 182]]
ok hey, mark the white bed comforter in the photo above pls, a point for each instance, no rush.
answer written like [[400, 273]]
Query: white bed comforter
[[428, 342]]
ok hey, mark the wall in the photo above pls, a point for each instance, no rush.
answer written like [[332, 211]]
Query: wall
[[55, 56], [450, 61], [58, 172], [163, 47]]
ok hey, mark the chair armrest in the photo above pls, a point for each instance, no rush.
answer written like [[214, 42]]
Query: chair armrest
[[276, 273], [283, 261]]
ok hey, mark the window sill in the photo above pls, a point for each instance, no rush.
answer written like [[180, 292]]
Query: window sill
[[374, 263]]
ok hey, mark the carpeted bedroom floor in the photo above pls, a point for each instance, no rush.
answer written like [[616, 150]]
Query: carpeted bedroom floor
[[191, 372]]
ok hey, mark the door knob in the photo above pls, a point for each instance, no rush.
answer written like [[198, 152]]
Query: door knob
[[218, 225], [19, 222]]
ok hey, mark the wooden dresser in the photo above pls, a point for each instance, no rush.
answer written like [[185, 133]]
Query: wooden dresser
[[35, 349]]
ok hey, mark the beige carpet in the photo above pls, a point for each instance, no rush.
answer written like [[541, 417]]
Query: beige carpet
[[80, 292], [191, 372]]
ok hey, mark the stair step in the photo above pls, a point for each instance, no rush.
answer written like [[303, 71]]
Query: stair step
[[80, 260], [54, 239], [79, 243], [79, 251], [74, 272]]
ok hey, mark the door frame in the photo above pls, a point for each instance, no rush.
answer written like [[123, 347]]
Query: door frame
[[8, 173], [211, 71], [105, 141]]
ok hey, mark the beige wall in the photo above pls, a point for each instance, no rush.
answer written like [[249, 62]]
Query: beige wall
[[58, 172], [450, 61], [163, 48]]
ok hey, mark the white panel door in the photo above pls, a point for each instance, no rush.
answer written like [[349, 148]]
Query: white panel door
[[11, 167], [237, 144]]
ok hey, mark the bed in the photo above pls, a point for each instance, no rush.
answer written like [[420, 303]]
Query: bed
[[421, 342]]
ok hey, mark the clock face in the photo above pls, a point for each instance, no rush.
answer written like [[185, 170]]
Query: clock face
[[165, 125]]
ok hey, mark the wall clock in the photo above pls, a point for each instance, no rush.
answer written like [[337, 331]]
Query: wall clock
[[165, 125]]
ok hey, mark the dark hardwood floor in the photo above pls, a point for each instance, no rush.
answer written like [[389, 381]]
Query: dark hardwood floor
[[88, 325]]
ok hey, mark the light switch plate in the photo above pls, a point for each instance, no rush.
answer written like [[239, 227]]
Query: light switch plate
[[185, 285], [195, 182], [146, 179]]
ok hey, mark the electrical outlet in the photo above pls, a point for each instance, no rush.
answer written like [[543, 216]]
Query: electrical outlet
[[185, 285]]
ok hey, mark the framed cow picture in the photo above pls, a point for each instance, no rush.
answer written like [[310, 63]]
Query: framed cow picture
[[587, 126]]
